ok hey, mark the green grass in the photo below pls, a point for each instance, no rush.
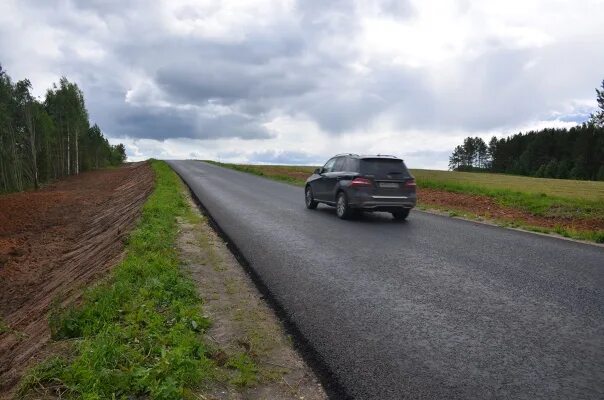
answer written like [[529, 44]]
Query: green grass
[[246, 368], [588, 235], [563, 188], [138, 334]]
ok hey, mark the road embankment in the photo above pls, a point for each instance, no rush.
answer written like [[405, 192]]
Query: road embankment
[[53, 243]]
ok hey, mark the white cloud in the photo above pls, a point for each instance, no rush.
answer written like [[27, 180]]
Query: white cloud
[[263, 80]]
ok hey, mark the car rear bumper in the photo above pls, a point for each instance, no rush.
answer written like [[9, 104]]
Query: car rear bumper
[[382, 203]]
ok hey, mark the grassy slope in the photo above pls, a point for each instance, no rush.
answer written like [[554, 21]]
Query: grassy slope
[[138, 333], [542, 197]]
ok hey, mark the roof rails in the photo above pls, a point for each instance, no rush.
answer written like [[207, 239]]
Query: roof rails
[[366, 155], [346, 154], [379, 155]]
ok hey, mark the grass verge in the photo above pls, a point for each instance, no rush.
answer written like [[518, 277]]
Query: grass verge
[[596, 236], [139, 333]]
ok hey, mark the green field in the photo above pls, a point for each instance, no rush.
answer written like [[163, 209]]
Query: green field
[[566, 188]]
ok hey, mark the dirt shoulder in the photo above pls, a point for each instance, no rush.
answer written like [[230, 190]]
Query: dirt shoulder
[[254, 356], [54, 242], [488, 208]]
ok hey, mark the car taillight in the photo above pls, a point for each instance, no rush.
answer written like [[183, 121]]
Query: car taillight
[[410, 183], [358, 182]]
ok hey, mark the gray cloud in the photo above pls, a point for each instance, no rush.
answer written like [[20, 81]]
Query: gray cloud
[[160, 71], [230, 82], [155, 124], [161, 123]]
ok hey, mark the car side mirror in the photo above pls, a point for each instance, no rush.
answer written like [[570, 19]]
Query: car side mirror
[[318, 171]]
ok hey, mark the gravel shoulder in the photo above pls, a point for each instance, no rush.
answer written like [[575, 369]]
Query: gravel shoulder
[[243, 326]]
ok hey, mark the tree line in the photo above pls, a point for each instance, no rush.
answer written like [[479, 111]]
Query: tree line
[[44, 140], [575, 153]]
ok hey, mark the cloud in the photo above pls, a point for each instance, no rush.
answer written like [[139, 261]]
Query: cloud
[[296, 81], [169, 122], [284, 157]]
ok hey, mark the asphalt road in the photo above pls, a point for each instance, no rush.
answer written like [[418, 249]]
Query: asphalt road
[[433, 307]]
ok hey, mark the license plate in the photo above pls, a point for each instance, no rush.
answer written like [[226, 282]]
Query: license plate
[[389, 185]]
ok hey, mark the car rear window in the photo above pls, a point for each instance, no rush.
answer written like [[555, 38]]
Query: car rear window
[[382, 167]]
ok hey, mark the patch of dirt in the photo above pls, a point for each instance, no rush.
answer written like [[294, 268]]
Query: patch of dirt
[[54, 242], [487, 207], [242, 322]]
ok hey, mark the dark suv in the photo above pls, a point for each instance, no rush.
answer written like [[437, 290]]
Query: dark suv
[[369, 183]]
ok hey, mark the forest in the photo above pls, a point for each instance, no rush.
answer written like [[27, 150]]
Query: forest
[[574, 153], [41, 141]]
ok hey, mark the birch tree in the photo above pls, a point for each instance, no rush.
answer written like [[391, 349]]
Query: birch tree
[[44, 140]]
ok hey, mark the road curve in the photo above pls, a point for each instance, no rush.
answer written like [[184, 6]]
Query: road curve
[[431, 308]]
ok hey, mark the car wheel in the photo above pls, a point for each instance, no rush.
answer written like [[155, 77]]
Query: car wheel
[[343, 210], [311, 203], [401, 214]]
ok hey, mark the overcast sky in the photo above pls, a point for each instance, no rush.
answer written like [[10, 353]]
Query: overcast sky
[[297, 81]]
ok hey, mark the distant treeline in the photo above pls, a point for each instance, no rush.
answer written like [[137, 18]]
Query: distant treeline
[[575, 153], [44, 140]]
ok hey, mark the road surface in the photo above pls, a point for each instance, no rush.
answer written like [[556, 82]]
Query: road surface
[[431, 308]]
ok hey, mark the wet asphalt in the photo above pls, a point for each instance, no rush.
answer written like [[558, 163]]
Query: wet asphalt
[[430, 308]]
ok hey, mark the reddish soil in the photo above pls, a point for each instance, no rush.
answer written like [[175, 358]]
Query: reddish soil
[[488, 208], [53, 243]]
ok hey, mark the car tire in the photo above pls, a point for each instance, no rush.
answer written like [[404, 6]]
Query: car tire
[[343, 210], [401, 215], [309, 198]]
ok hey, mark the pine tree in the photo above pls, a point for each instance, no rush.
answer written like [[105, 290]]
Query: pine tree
[[597, 118], [563, 170], [492, 151], [579, 171], [482, 153], [469, 153], [540, 171], [456, 158], [550, 169]]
